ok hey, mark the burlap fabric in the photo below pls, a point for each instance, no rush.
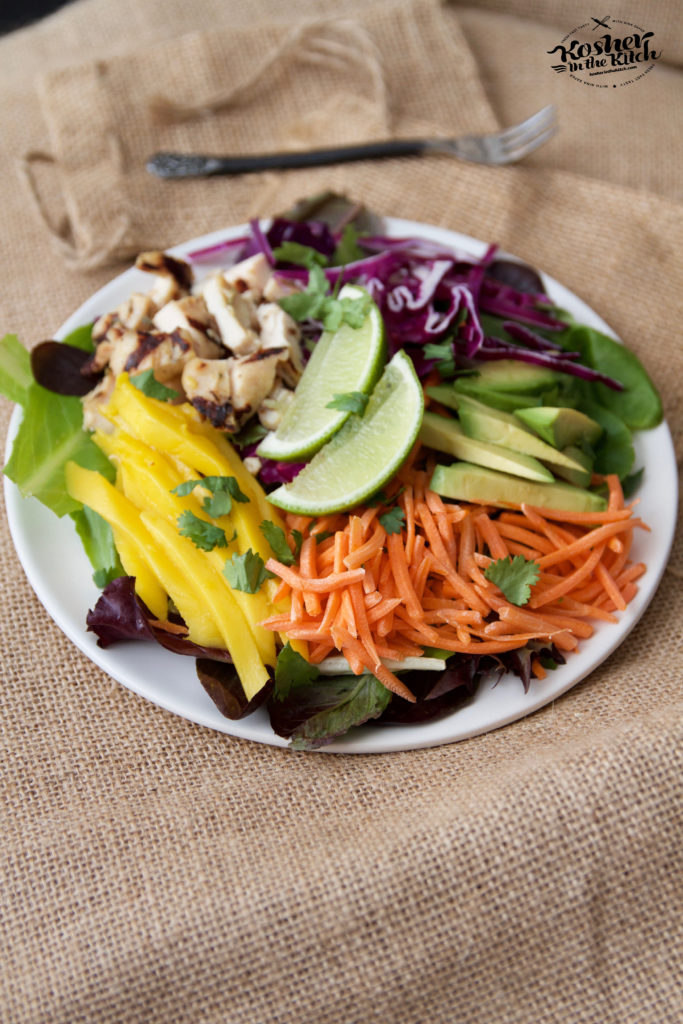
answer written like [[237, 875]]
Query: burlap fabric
[[155, 871]]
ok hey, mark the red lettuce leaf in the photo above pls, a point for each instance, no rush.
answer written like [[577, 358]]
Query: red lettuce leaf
[[120, 616]]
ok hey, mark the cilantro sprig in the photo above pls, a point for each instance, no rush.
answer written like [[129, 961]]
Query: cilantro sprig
[[314, 303], [223, 491], [246, 572], [393, 519], [275, 536], [515, 577], [150, 386], [203, 535], [351, 401], [301, 255], [444, 353]]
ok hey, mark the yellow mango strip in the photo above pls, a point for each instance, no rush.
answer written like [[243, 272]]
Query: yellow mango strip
[[210, 590], [92, 489], [135, 563], [187, 414], [162, 426], [147, 479]]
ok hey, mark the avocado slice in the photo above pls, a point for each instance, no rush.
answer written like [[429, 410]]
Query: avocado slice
[[446, 435], [581, 477], [512, 375], [445, 394], [560, 426], [508, 401], [465, 482], [486, 424]]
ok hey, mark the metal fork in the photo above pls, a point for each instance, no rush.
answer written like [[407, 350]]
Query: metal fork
[[503, 147]]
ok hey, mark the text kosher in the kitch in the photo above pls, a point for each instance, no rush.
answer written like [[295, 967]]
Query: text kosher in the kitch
[[605, 54]]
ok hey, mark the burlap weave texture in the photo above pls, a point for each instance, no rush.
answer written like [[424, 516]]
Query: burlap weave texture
[[153, 871]]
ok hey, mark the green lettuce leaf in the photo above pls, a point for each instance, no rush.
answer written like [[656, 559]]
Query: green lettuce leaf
[[15, 370], [312, 710], [98, 541], [50, 435]]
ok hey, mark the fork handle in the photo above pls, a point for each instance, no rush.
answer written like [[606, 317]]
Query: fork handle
[[179, 165]]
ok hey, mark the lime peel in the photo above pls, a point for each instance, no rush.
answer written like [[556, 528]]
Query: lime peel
[[366, 452]]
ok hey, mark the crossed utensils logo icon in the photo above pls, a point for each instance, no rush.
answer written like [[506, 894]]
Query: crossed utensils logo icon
[[599, 22]]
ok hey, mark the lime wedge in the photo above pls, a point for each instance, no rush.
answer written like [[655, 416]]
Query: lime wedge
[[366, 452], [346, 360]]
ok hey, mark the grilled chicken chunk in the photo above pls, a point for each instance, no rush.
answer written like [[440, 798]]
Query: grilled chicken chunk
[[250, 276], [234, 314], [229, 391], [226, 344], [191, 316]]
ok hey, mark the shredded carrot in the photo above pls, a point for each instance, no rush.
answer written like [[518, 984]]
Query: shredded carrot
[[375, 596]]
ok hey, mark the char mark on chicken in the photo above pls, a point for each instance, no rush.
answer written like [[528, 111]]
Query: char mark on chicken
[[162, 264]]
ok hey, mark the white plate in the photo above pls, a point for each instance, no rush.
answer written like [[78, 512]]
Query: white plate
[[61, 575]]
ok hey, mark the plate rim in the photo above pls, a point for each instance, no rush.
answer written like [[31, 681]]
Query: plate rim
[[372, 738]]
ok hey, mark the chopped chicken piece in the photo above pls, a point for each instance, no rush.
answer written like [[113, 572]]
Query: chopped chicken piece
[[117, 348], [277, 287], [164, 354], [253, 378], [136, 312], [163, 290], [250, 276], [192, 317], [234, 314], [102, 325], [252, 464], [208, 377], [208, 385], [280, 330], [228, 391], [163, 265], [273, 406], [93, 402]]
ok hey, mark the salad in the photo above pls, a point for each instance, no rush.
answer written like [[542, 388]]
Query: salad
[[248, 495]]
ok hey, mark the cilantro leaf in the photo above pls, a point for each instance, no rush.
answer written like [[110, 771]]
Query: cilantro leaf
[[347, 250], [275, 536], [382, 498], [515, 577], [393, 519], [251, 434], [350, 401], [353, 311], [303, 255], [314, 303], [444, 354], [224, 490], [150, 386], [246, 572], [203, 535], [308, 304], [298, 539]]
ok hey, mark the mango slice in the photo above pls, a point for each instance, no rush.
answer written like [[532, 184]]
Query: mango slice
[[92, 489]]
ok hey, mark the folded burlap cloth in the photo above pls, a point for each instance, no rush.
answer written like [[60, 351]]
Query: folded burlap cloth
[[157, 872]]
